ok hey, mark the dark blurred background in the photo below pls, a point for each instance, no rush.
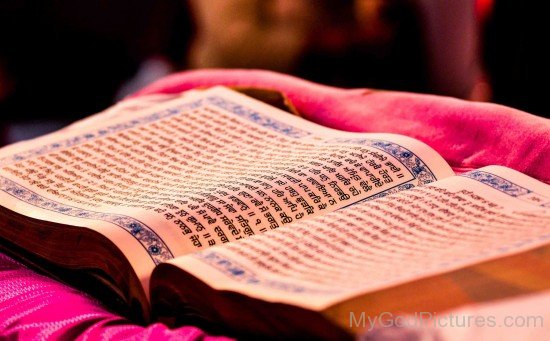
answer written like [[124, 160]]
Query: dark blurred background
[[62, 60]]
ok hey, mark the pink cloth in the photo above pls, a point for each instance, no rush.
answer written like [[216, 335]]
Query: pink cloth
[[468, 135], [35, 307]]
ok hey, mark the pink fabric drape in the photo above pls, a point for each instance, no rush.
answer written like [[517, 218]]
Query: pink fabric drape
[[468, 135], [34, 307]]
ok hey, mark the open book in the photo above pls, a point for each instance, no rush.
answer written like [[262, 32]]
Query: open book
[[213, 208]]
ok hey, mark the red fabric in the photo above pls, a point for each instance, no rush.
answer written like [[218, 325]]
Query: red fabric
[[468, 135]]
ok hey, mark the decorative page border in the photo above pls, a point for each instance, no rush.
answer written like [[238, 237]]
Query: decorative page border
[[506, 186], [240, 273], [151, 242], [75, 140], [257, 117], [418, 168], [392, 190], [218, 101], [498, 183], [157, 249]]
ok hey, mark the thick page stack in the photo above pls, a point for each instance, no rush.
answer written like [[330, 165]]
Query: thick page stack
[[157, 178], [184, 181], [338, 264]]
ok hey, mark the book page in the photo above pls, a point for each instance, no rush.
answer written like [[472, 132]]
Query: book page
[[459, 221], [162, 178]]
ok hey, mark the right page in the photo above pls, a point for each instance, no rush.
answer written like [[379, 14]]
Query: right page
[[453, 223]]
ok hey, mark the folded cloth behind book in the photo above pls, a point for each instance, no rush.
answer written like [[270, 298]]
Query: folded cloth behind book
[[468, 135]]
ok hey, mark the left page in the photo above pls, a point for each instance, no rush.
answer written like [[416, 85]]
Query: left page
[[162, 177]]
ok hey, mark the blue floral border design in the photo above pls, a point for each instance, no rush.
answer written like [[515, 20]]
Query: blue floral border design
[[157, 249], [411, 161], [75, 140], [218, 101], [151, 242], [393, 190], [240, 273], [498, 183], [257, 117], [237, 272]]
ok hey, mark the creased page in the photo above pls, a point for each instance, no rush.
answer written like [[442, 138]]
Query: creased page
[[202, 170], [459, 221]]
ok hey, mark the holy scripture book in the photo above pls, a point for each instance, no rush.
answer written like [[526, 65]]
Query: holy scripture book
[[214, 209]]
